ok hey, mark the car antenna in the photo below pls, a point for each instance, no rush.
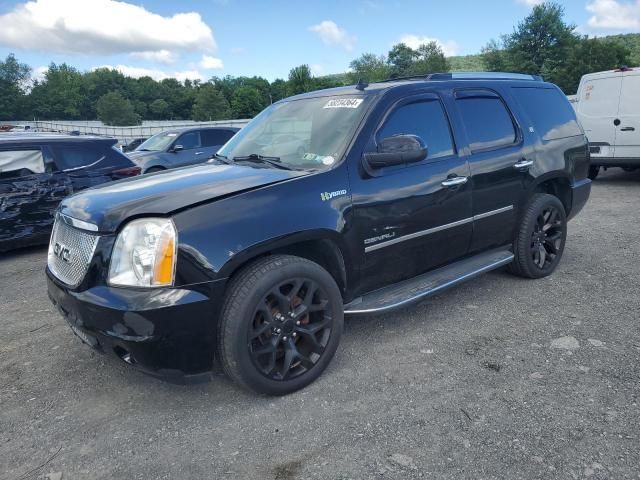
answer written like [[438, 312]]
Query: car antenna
[[361, 85]]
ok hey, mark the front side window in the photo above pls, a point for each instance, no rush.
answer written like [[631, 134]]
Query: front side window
[[21, 163], [189, 140], [487, 122], [427, 120], [310, 133]]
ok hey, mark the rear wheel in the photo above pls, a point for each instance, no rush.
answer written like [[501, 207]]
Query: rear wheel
[[540, 238], [280, 325], [593, 172]]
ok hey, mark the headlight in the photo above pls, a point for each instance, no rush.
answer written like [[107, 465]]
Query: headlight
[[144, 254]]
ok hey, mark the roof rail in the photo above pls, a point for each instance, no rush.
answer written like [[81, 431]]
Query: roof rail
[[469, 76]]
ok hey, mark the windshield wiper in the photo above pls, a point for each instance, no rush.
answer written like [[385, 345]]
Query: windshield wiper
[[256, 158], [222, 158]]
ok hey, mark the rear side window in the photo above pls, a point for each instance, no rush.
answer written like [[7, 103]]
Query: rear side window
[[549, 111], [79, 155], [487, 122], [425, 119], [212, 138], [20, 163]]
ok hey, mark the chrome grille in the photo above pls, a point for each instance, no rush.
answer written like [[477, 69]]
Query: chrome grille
[[70, 252]]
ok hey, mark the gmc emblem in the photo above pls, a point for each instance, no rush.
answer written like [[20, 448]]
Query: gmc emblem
[[62, 252]]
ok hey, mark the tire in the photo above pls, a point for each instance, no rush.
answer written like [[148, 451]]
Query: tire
[[593, 172], [540, 233], [155, 169], [261, 313]]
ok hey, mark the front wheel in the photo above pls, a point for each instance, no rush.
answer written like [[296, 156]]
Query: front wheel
[[280, 325], [540, 238]]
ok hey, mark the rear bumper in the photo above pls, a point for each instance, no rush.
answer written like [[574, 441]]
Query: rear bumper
[[614, 162], [168, 333], [580, 192]]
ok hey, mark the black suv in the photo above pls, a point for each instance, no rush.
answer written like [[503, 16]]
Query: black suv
[[38, 170], [402, 188]]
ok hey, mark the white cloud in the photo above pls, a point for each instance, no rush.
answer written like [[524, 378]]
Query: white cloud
[[530, 3], [38, 73], [316, 70], [449, 47], [160, 56], [137, 72], [331, 34], [614, 15], [211, 63], [101, 27]]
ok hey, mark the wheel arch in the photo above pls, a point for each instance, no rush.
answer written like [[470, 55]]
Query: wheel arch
[[555, 184], [323, 247]]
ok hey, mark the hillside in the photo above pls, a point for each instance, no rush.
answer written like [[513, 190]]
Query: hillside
[[466, 63], [632, 42]]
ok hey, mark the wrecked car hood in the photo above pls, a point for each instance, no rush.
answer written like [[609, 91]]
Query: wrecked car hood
[[108, 205]]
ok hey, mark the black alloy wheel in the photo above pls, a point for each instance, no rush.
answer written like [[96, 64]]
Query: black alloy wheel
[[547, 237], [290, 329]]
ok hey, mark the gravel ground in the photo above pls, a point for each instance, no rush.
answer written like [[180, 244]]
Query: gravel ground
[[498, 378]]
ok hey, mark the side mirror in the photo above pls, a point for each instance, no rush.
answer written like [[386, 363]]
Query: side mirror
[[177, 148], [397, 150]]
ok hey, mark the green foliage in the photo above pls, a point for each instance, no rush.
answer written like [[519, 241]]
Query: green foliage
[[210, 104], [114, 109], [466, 63], [300, 79], [13, 80], [430, 59], [159, 108], [246, 102], [370, 68]]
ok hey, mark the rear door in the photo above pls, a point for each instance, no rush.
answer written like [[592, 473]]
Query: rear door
[[30, 190], [597, 108], [498, 164], [628, 131]]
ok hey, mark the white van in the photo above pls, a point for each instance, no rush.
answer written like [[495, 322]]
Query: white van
[[608, 107]]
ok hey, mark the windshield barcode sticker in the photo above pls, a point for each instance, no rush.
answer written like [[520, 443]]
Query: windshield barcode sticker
[[343, 103]]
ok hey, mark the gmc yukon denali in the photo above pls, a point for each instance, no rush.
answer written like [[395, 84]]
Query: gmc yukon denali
[[346, 201]]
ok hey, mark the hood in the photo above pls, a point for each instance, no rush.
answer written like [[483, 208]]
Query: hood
[[141, 156], [163, 193]]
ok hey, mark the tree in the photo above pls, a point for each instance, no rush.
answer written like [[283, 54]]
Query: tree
[[493, 57], [246, 103], [370, 68], [59, 96], [430, 59], [159, 108], [210, 104], [114, 109], [401, 58], [14, 77], [300, 79]]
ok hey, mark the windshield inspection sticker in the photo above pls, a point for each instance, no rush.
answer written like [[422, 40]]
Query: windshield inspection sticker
[[343, 103]]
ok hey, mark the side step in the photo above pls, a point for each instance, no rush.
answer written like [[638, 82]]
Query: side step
[[418, 288]]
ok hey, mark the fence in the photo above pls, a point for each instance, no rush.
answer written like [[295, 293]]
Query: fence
[[125, 134]]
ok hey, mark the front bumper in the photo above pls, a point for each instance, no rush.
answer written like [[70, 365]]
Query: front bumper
[[165, 332], [580, 192]]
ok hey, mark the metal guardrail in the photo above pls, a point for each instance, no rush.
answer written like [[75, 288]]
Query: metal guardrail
[[126, 134]]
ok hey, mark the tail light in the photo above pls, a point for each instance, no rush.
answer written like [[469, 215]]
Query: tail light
[[127, 172]]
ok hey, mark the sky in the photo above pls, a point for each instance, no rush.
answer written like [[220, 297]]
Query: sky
[[201, 39]]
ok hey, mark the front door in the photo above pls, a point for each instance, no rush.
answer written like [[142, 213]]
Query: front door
[[188, 154], [413, 217]]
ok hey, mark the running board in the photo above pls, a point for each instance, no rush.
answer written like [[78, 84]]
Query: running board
[[418, 288]]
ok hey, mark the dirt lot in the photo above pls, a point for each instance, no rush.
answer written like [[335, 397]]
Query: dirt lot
[[498, 378]]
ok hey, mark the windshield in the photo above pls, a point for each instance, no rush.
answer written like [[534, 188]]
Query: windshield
[[158, 142], [311, 133]]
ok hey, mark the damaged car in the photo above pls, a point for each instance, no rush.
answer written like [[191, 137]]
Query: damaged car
[[38, 170]]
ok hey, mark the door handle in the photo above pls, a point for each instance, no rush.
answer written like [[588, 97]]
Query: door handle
[[199, 153], [452, 182], [523, 164], [627, 129]]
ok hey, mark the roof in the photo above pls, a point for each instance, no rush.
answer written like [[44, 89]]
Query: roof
[[433, 79], [44, 137]]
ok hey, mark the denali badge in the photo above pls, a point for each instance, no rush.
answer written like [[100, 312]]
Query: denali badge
[[386, 236], [329, 195], [62, 252]]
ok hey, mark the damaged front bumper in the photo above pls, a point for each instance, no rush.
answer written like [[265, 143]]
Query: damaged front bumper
[[165, 332]]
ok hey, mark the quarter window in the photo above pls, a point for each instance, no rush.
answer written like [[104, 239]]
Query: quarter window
[[79, 156], [487, 122], [20, 163], [549, 111], [427, 120]]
